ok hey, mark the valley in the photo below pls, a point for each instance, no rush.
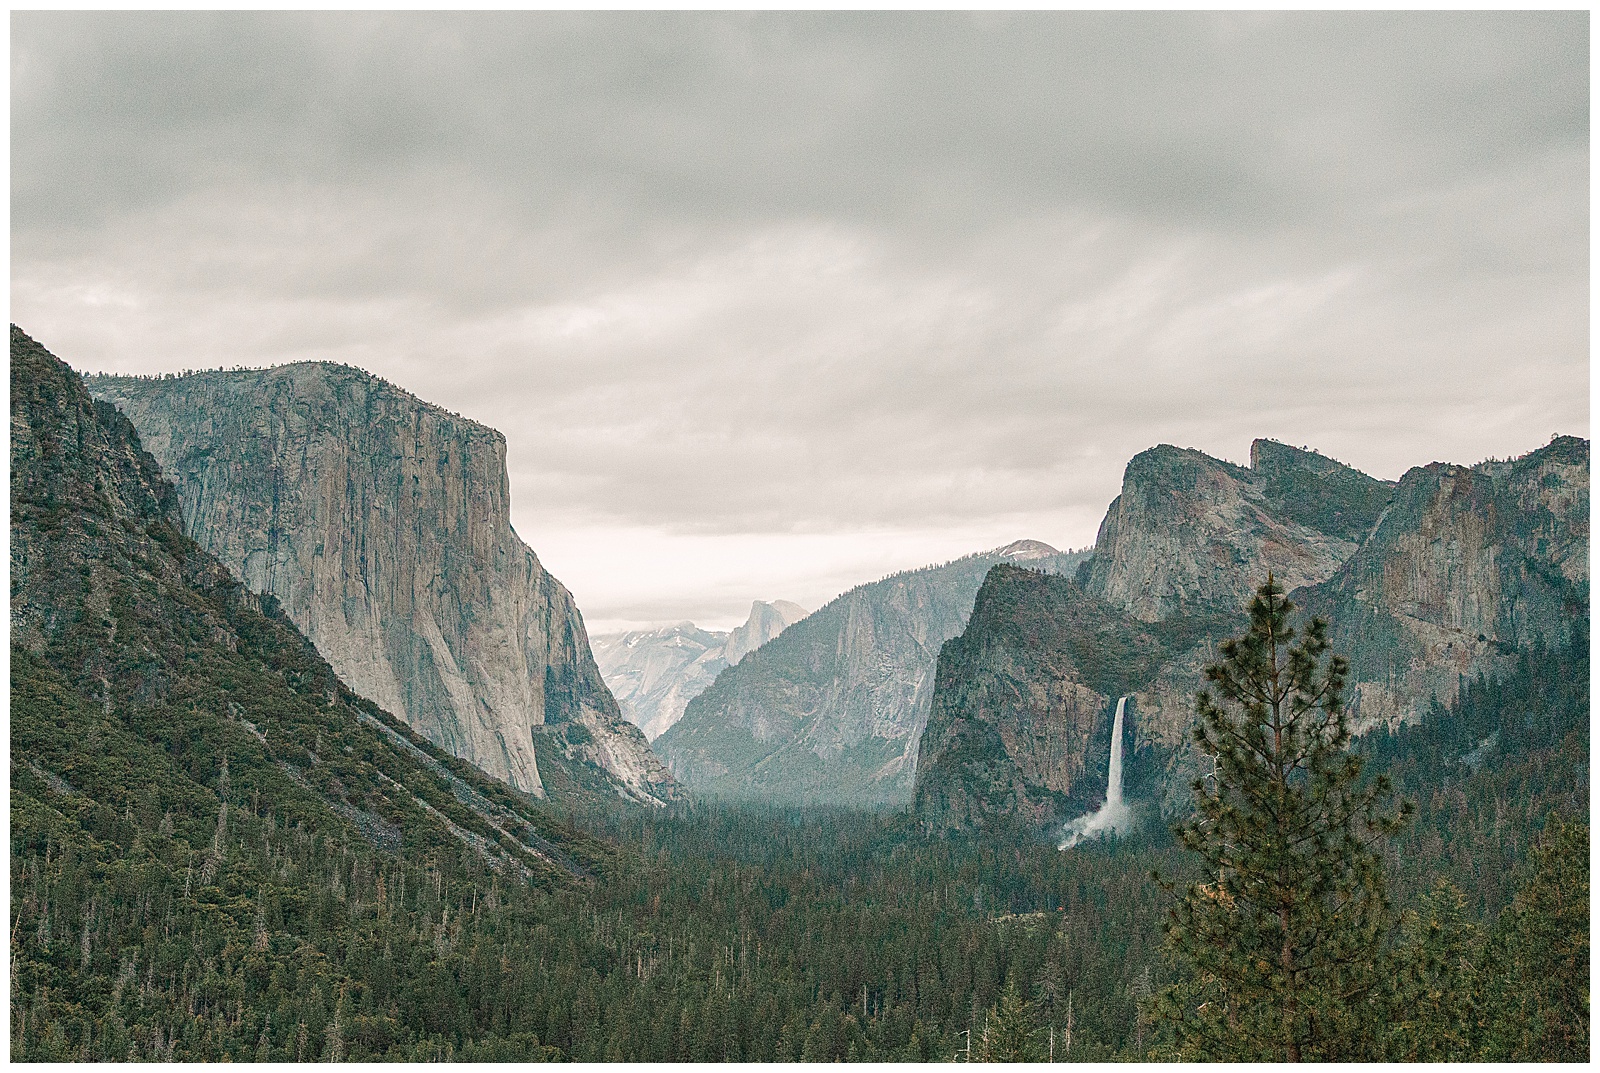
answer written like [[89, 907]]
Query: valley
[[734, 536], [833, 709], [313, 759]]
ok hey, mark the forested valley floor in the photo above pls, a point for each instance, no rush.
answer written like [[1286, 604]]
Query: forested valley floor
[[144, 928]]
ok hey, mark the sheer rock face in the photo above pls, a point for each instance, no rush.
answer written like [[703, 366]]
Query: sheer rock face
[[655, 673], [832, 710], [1441, 575], [382, 525], [766, 621], [1022, 701], [1193, 533], [1466, 566], [1010, 726]]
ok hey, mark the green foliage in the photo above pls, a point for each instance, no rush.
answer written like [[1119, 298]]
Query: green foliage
[[1535, 990], [1518, 991], [1281, 946], [1485, 772], [815, 905], [1009, 1030], [1453, 981], [1320, 493], [1432, 1004]]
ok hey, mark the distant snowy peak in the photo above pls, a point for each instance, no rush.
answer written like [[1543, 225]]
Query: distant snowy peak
[[655, 673], [1022, 551], [678, 635]]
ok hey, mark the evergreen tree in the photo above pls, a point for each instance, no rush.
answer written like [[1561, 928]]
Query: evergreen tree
[[1009, 1030], [1281, 936], [1432, 999], [1536, 972]]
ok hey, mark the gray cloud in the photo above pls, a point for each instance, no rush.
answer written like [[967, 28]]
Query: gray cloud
[[918, 121], [761, 274]]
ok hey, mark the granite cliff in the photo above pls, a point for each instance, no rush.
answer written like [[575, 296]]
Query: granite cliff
[[1023, 700], [1444, 574], [1193, 533], [832, 710], [382, 525], [655, 673], [765, 622], [141, 670], [1466, 566]]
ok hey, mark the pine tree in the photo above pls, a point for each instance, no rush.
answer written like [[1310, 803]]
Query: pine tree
[[1432, 1001], [1009, 1030], [1535, 1004], [1281, 937]]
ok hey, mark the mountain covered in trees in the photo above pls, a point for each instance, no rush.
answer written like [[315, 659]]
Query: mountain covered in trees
[[1434, 580], [655, 673], [832, 710], [382, 526]]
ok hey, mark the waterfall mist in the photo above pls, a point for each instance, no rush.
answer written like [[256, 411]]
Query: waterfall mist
[[1113, 817]]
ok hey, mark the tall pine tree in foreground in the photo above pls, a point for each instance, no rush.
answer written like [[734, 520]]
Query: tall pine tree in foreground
[[1278, 944]]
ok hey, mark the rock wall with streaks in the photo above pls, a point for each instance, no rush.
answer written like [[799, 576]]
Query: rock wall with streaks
[[382, 525]]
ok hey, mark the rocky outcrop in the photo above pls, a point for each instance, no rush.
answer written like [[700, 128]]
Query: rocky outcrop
[[1022, 710], [1441, 576], [833, 709], [382, 525], [655, 673], [1467, 565], [1191, 533], [766, 621]]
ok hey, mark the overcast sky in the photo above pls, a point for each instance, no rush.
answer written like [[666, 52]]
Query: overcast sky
[[771, 305]]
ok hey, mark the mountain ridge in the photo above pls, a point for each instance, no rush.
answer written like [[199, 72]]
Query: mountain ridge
[[831, 711], [655, 673], [1448, 559], [1189, 532]]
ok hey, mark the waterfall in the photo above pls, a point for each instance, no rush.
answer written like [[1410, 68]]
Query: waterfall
[[1114, 774], [1113, 816]]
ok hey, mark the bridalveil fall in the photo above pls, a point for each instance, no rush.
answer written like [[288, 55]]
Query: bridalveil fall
[[1112, 817]]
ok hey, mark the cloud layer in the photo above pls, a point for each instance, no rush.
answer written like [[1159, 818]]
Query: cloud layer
[[748, 291]]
